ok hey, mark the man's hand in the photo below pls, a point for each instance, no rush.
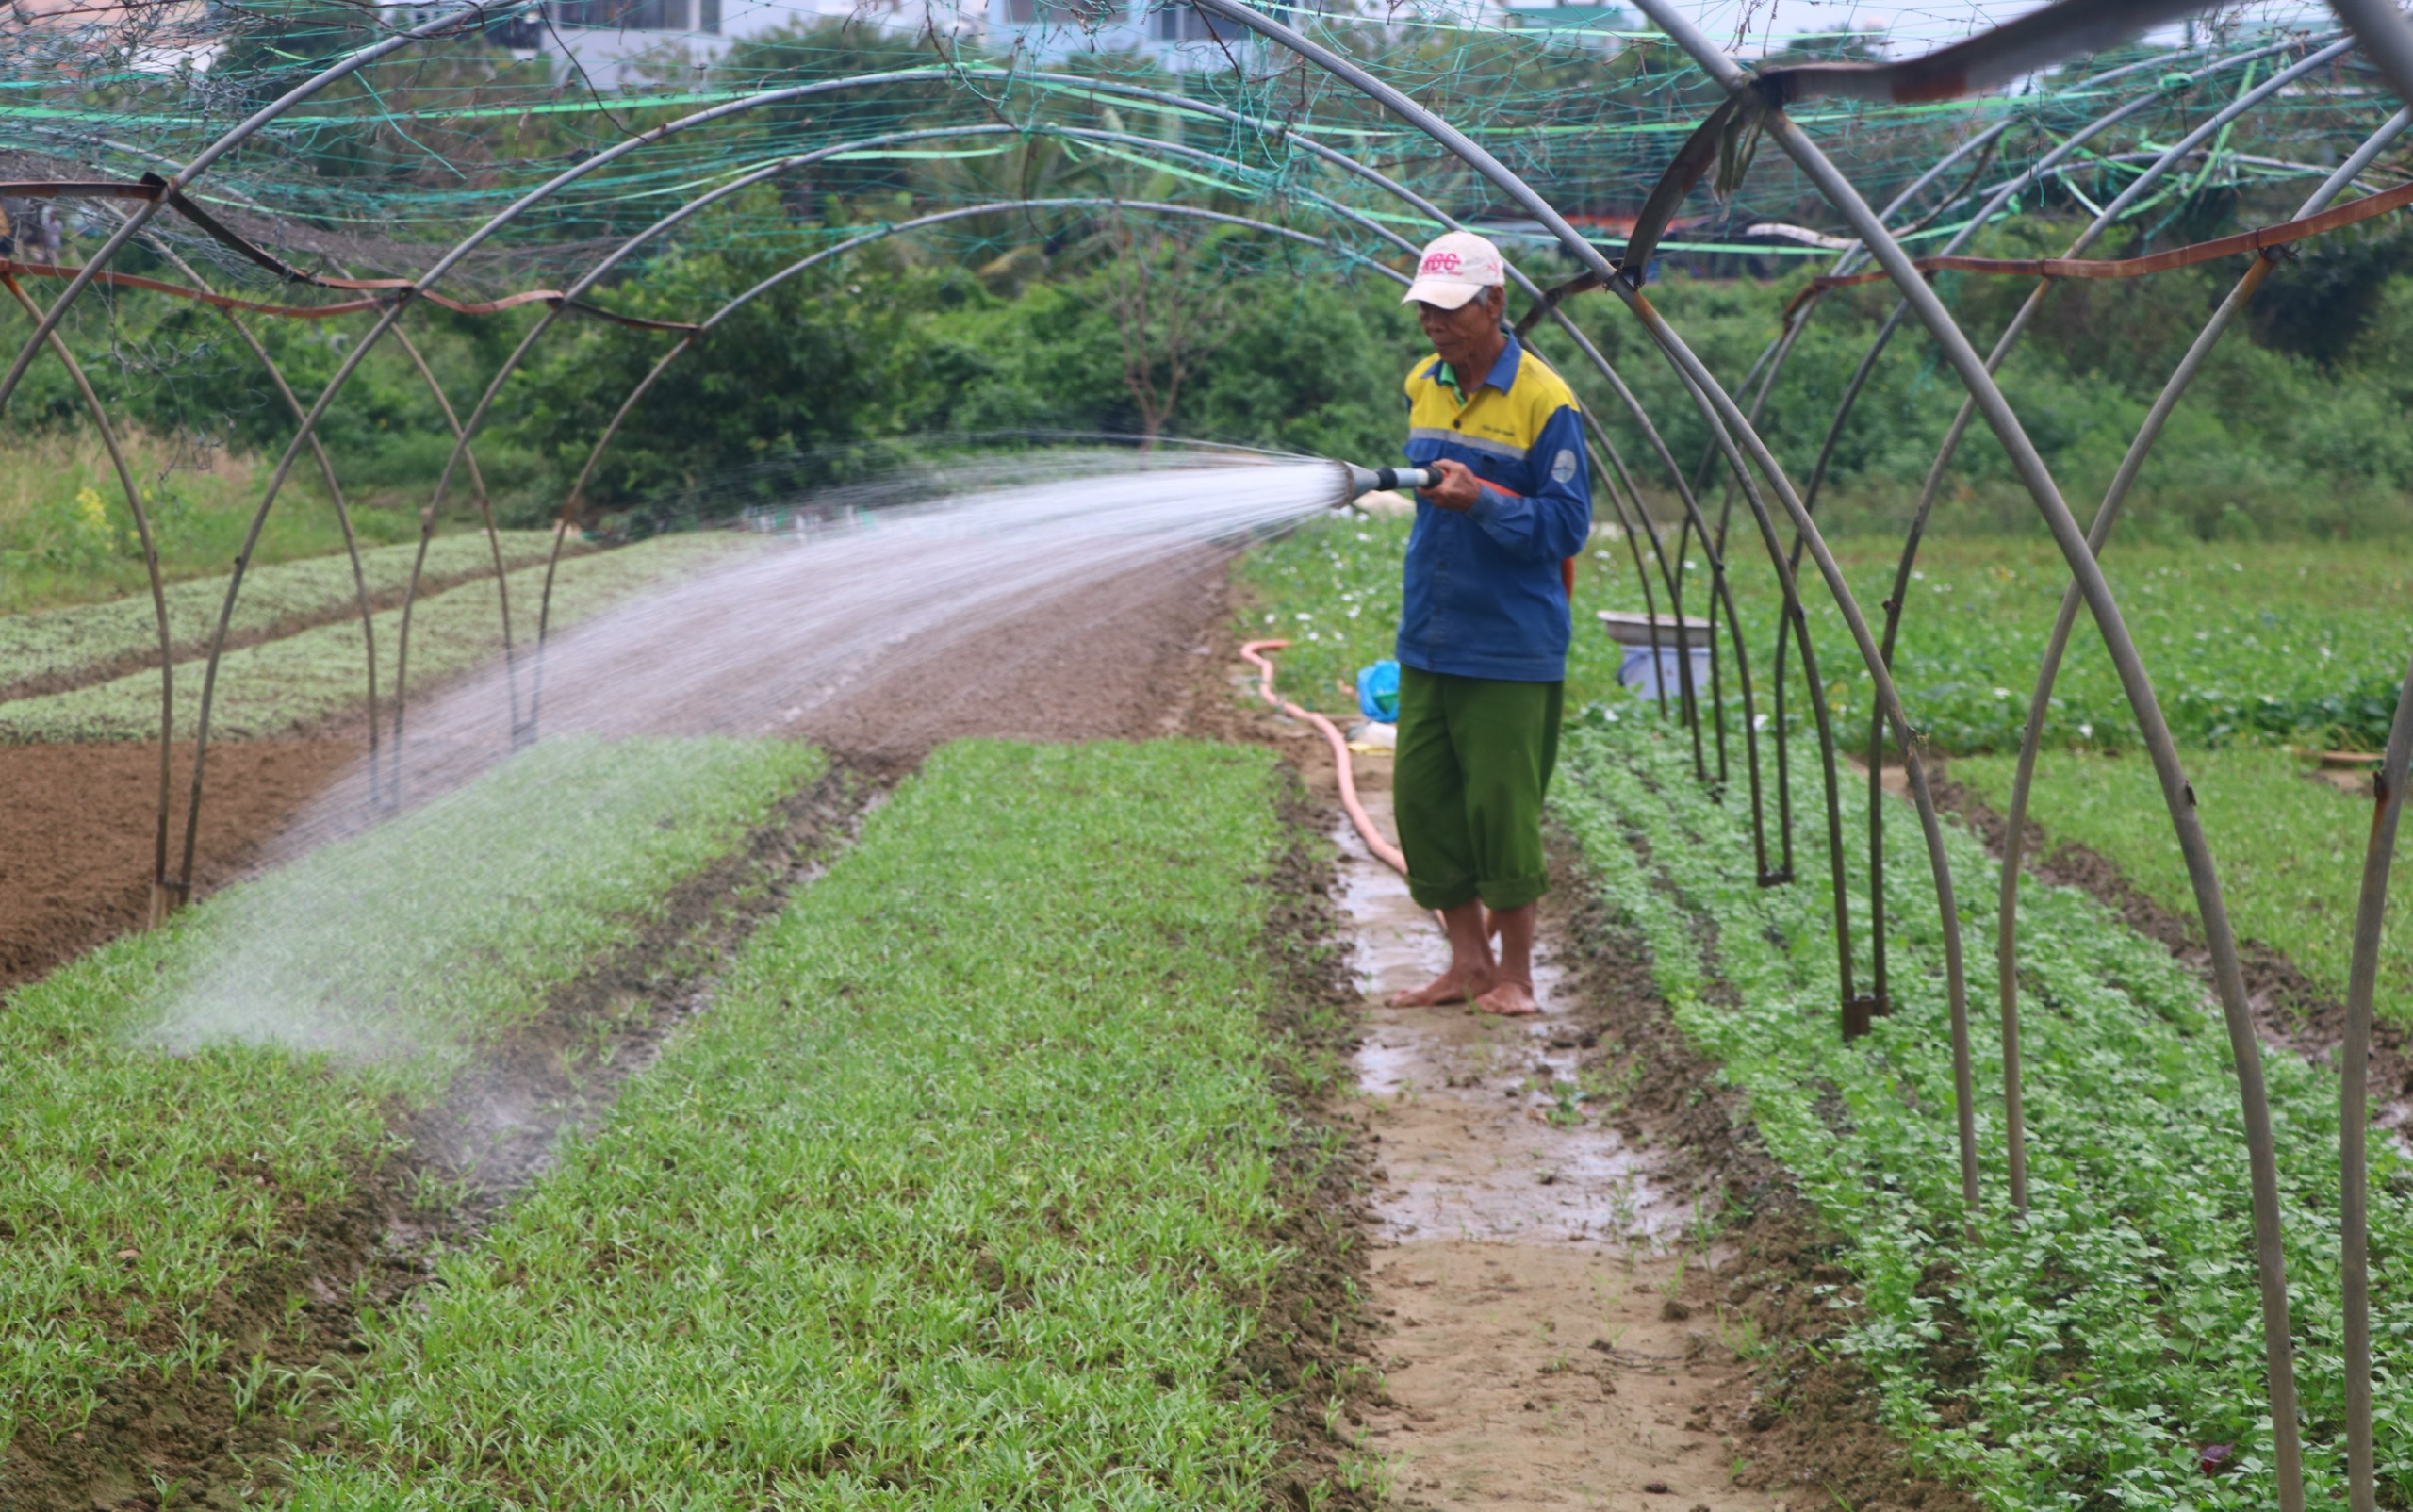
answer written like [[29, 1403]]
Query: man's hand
[[1458, 488]]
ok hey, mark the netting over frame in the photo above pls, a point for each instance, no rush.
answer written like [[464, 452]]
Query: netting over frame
[[382, 170]]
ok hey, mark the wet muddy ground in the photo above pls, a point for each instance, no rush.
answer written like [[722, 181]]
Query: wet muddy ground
[[1533, 1272]]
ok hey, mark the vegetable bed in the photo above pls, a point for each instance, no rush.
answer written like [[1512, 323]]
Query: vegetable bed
[[55, 645], [958, 1196], [2094, 1353], [143, 1188], [2291, 849], [278, 686]]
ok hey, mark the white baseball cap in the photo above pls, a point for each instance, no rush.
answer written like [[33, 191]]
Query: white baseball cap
[[1454, 269]]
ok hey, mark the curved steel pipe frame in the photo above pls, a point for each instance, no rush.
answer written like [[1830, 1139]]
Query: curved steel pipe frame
[[2179, 797], [2353, 1170], [45, 330], [471, 15], [2057, 645], [1096, 86], [1898, 602], [460, 449], [460, 250], [2054, 162], [2353, 1217], [166, 893], [160, 245], [183, 889], [2384, 32]]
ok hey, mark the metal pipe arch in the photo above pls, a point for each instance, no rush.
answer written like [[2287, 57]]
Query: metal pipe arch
[[644, 384], [471, 13], [158, 908], [2178, 795], [183, 888], [326, 472], [1897, 603], [2351, 1175], [1275, 131], [2379, 854], [461, 249], [2054, 163]]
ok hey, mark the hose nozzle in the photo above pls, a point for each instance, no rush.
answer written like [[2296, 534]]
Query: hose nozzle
[[1363, 481]]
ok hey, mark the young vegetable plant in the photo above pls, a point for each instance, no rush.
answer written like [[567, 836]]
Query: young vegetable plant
[[183, 1103], [962, 1195]]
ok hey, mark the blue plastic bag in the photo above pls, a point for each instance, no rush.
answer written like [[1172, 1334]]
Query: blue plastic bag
[[1378, 691]]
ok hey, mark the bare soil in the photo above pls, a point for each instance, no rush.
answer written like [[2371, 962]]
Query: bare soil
[[78, 827], [1801, 1422], [1667, 1403], [1119, 660], [1561, 1328], [1533, 1264], [1125, 658]]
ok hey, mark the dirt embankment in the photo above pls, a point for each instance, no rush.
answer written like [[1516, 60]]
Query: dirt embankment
[[1315, 1341]]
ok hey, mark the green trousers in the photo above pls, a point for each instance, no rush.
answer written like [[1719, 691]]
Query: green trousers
[[1474, 760]]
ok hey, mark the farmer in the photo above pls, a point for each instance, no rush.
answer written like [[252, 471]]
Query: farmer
[[1484, 631]]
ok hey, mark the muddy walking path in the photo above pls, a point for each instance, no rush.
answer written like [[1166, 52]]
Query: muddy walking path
[[1548, 1343]]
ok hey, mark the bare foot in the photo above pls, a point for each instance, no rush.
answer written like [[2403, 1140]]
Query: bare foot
[[1509, 998], [1449, 987]]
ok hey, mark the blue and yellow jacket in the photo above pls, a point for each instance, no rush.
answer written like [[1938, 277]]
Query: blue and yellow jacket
[[1484, 595]]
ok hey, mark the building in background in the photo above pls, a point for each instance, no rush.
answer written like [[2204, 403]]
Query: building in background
[[621, 43]]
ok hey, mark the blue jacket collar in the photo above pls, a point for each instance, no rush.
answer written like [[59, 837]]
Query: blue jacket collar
[[1503, 375]]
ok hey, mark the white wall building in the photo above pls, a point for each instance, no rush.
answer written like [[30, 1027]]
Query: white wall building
[[617, 44], [622, 42]]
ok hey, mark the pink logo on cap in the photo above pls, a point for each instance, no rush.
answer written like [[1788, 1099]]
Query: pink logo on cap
[[1453, 269]]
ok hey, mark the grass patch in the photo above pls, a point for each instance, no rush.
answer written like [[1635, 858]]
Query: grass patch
[[146, 1188], [63, 645], [2083, 1355], [67, 537], [2290, 850], [958, 1198], [278, 686], [2289, 641]]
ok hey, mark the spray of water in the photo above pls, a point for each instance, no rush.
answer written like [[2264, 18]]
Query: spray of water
[[524, 804]]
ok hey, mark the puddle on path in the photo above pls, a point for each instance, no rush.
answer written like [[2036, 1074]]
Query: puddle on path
[[1531, 1270], [1485, 1135]]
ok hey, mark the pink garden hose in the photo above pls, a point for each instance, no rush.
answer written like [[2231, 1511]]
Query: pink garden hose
[[1384, 850]]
